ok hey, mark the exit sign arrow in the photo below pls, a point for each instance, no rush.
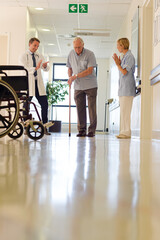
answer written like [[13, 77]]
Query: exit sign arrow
[[73, 8]]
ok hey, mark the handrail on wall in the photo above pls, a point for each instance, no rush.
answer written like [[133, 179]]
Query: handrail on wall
[[155, 75]]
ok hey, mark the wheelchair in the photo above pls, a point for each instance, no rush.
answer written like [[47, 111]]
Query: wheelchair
[[13, 94]]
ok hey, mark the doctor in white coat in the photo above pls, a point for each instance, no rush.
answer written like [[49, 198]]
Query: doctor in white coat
[[34, 62]]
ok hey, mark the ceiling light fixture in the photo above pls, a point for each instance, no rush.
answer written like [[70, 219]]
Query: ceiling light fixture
[[68, 36], [89, 29], [39, 9], [51, 44], [46, 30], [53, 55]]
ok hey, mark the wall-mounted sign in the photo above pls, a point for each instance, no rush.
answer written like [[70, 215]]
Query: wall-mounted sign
[[73, 8], [83, 8]]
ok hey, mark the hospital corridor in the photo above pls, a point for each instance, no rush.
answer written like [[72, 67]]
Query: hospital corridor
[[80, 120]]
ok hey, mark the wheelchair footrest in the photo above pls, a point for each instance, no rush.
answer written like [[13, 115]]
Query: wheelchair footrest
[[48, 124]]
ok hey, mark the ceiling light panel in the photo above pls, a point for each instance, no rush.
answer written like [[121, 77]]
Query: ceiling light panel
[[39, 9], [22, 3], [110, 1]]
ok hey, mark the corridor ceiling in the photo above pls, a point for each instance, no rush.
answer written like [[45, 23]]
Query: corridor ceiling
[[99, 27]]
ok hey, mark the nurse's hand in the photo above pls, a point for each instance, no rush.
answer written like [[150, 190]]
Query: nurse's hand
[[116, 59]]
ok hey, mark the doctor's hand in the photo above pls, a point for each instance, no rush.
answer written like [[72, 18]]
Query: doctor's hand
[[45, 64], [38, 65]]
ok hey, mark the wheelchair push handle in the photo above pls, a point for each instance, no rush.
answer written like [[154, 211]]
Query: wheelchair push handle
[[12, 67]]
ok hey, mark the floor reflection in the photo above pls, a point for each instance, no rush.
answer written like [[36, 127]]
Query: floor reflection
[[62, 188]]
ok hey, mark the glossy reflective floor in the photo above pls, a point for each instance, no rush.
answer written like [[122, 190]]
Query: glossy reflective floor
[[62, 188]]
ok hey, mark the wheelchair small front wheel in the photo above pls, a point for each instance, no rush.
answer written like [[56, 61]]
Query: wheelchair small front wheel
[[16, 132], [35, 130]]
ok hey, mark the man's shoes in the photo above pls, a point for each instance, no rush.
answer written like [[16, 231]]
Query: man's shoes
[[46, 131], [90, 134], [81, 134], [121, 136]]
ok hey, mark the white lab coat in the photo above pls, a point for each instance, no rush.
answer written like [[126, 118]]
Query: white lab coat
[[27, 62]]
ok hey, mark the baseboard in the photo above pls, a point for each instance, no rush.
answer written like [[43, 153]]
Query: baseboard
[[136, 133], [156, 134]]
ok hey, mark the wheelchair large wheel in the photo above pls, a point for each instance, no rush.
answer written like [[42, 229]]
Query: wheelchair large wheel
[[35, 130], [9, 108], [16, 132]]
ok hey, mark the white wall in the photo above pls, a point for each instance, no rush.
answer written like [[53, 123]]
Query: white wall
[[4, 48], [13, 21], [103, 91], [31, 30]]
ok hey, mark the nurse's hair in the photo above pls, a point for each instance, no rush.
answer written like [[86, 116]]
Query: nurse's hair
[[124, 42], [78, 39]]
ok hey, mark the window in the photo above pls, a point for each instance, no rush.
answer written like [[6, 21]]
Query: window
[[61, 110]]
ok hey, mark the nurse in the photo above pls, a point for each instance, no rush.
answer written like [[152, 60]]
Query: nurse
[[127, 86]]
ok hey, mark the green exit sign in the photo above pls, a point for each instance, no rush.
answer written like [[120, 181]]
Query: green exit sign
[[73, 8], [83, 8]]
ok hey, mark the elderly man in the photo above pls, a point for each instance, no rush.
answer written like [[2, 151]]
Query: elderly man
[[34, 62], [81, 63]]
